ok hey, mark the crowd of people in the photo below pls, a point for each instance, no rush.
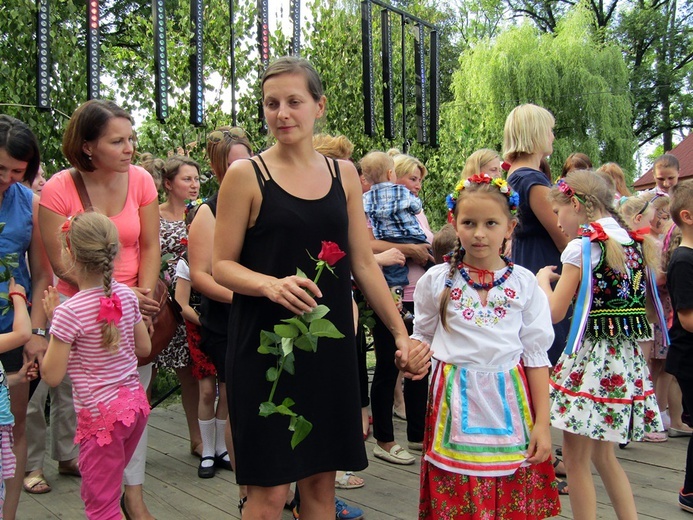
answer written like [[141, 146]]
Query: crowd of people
[[537, 305]]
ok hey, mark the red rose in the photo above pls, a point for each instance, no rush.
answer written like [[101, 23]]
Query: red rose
[[562, 410], [184, 241], [509, 293], [638, 383], [609, 419], [330, 253], [575, 378], [617, 380], [605, 382], [649, 416]]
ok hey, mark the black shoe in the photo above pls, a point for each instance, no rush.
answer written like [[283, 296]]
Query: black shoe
[[686, 501], [205, 471], [221, 462]]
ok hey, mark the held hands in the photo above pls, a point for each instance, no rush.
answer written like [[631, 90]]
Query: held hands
[[293, 292], [413, 358], [148, 306], [26, 374], [539, 444]]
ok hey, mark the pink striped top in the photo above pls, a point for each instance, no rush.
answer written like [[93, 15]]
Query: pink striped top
[[105, 385]]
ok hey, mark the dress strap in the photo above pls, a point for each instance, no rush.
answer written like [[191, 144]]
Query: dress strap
[[264, 165], [261, 179], [334, 169]]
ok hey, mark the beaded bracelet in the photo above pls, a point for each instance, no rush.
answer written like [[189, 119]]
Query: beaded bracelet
[[23, 296]]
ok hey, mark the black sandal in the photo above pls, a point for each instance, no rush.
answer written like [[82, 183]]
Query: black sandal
[[556, 462], [241, 503], [562, 486]]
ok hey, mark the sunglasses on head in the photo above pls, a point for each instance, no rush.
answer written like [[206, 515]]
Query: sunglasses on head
[[233, 133]]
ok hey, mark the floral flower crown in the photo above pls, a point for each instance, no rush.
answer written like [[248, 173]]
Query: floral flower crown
[[190, 204], [483, 178]]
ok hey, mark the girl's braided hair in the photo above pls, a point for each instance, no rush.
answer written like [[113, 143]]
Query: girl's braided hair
[[92, 241]]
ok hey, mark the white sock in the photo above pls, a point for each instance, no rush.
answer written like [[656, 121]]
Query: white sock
[[207, 430], [220, 446]]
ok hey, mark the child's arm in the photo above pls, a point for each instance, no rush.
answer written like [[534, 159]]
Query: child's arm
[[540, 439], [27, 373], [560, 297], [182, 294], [143, 343], [21, 325], [54, 365]]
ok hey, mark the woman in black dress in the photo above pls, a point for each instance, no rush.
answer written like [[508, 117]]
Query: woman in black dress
[[273, 211]]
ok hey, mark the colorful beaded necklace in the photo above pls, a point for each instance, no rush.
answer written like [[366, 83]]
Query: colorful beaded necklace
[[487, 285]]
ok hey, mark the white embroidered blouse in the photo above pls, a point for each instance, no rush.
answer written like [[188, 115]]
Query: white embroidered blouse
[[514, 324]]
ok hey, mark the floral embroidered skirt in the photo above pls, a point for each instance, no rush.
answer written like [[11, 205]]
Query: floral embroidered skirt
[[604, 391], [202, 366], [453, 443], [529, 493]]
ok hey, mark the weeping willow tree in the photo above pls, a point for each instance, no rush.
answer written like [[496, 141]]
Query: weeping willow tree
[[582, 81]]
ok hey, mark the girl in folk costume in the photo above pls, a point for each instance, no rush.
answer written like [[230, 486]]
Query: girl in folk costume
[[601, 390], [95, 338], [487, 441]]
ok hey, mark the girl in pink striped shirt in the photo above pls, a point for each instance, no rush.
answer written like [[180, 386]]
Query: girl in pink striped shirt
[[95, 338]]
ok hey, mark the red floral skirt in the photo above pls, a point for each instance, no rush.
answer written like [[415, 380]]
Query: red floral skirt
[[529, 493], [202, 366]]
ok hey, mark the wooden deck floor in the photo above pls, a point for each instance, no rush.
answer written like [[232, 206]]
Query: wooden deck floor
[[173, 490]]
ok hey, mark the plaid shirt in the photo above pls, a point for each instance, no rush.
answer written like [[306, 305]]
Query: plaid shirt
[[391, 209]]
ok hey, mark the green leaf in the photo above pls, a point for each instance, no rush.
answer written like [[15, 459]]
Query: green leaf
[[298, 323], [269, 338], [317, 313], [288, 402], [287, 346], [286, 331], [324, 329], [285, 410], [272, 374], [301, 428], [267, 408], [307, 342], [263, 349], [300, 273], [288, 365]]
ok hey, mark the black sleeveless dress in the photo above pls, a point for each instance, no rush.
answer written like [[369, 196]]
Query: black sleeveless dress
[[325, 384]]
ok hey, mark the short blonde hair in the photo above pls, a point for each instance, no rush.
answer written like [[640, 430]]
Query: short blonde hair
[[406, 164], [681, 198], [526, 131], [375, 166], [334, 147], [477, 160]]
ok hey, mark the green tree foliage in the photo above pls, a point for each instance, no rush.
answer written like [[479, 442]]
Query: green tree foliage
[[584, 83], [656, 39]]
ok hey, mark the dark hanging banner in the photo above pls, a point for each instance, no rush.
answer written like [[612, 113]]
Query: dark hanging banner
[[433, 81], [232, 57], [196, 74], [263, 32], [420, 66], [388, 103], [160, 59], [295, 15], [43, 58], [367, 68], [93, 62]]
